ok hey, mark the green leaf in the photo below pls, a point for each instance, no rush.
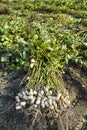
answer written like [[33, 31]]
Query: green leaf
[[17, 59], [24, 55], [3, 59], [35, 36], [50, 48], [22, 41]]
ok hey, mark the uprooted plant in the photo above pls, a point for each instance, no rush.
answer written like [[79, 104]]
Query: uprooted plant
[[37, 50]]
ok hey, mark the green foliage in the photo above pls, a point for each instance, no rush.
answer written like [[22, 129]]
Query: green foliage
[[4, 9], [42, 44], [20, 47]]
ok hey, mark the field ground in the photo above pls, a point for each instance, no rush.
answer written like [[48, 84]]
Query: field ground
[[70, 119], [65, 20]]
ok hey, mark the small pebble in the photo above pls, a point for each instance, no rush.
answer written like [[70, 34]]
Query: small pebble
[[83, 86]]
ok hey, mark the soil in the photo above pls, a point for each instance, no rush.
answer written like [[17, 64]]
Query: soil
[[73, 118]]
